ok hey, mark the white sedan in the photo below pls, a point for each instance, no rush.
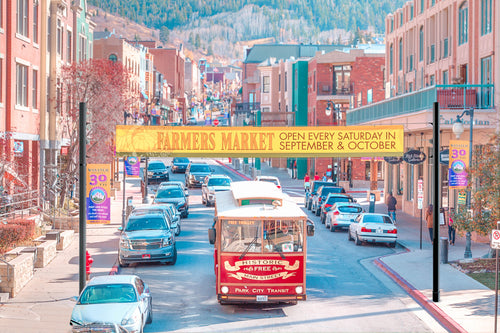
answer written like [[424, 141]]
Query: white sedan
[[373, 228], [342, 214], [114, 299]]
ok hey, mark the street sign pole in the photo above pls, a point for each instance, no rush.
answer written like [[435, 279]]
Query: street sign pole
[[420, 200]]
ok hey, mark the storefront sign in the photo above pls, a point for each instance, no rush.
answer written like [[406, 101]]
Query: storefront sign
[[132, 166], [414, 157], [192, 141], [444, 157], [393, 159], [459, 162], [98, 189]]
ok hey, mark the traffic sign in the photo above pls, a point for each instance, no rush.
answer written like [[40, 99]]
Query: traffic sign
[[495, 239], [216, 121]]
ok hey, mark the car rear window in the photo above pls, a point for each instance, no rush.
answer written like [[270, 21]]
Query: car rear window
[[111, 293], [219, 182], [333, 200], [350, 209], [274, 181], [327, 190], [199, 168], [376, 219]]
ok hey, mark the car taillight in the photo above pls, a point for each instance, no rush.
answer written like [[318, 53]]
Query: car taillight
[[319, 199], [363, 229], [278, 186], [393, 231], [336, 212], [328, 205]]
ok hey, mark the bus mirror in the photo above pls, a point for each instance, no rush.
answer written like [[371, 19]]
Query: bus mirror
[[211, 235], [310, 228]]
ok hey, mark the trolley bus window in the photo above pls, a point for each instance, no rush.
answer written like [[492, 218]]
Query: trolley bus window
[[283, 236], [239, 236]]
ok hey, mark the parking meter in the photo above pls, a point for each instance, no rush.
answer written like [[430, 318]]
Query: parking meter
[[371, 209]]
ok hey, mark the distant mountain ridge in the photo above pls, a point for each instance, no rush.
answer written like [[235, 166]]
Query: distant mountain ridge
[[217, 25]]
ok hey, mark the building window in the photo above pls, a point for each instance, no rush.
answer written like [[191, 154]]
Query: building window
[[486, 15], [266, 83], [432, 80], [433, 53], [59, 37], [486, 78], [445, 48], [391, 55], [463, 17], [401, 54], [35, 89], [83, 48], [113, 58], [22, 17], [401, 19], [21, 85], [392, 24], [421, 44], [411, 11], [1, 14], [445, 77], [342, 84], [421, 6], [433, 2], [286, 79], [35, 22], [69, 46], [409, 185]]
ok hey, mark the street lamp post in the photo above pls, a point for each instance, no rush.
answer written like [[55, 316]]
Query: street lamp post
[[458, 129], [332, 109]]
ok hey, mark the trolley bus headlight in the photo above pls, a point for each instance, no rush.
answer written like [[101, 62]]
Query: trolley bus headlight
[[299, 289], [224, 289]]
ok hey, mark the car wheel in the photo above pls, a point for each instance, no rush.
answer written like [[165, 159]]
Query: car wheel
[[178, 230], [393, 245], [309, 206], [174, 258], [332, 228], [356, 240], [349, 237], [317, 213], [121, 263], [203, 201], [149, 320]]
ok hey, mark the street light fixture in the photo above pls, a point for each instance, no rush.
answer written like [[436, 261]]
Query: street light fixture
[[458, 129], [334, 110]]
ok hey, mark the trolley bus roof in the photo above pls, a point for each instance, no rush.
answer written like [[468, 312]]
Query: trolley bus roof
[[228, 202]]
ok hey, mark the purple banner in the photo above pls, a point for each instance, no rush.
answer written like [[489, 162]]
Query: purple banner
[[98, 206], [133, 166]]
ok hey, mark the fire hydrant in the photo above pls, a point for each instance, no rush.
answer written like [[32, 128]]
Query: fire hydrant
[[89, 262]]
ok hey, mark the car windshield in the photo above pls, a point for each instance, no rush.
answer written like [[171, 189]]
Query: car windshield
[[136, 223], [350, 209], [327, 190], [156, 166], [200, 168], [376, 219], [181, 160], [108, 293], [270, 180], [219, 182], [173, 192], [317, 185]]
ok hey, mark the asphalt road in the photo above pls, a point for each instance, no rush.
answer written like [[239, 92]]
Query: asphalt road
[[346, 292]]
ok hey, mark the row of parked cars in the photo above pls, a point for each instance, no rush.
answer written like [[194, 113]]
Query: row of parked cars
[[338, 210]]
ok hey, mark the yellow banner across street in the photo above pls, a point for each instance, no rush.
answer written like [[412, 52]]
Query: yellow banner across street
[[205, 141]]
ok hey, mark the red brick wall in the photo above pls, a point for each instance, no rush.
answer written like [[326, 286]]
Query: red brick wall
[[367, 73]]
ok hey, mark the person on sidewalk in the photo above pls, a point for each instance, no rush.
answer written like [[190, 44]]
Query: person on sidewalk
[[324, 177], [316, 176], [429, 218], [307, 182], [391, 203], [451, 227]]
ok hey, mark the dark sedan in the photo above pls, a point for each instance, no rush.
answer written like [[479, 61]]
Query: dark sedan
[[157, 172], [179, 164]]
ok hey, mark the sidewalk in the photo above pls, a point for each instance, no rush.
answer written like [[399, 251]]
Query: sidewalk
[[465, 305]]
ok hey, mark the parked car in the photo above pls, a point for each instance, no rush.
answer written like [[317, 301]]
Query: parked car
[[174, 195], [114, 299], [173, 217], [175, 183], [315, 185], [319, 197], [193, 121], [100, 328], [329, 201], [157, 172], [179, 164], [373, 228], [271, 179], [196, 173], [147, 238], [212, 184], [342, 214]]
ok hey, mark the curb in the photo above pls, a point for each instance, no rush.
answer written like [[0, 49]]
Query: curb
[[435, 311], [115, 270]]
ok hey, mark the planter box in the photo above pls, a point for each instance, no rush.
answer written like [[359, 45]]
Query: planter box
[[46, 252], [65, 239], [17, 273]]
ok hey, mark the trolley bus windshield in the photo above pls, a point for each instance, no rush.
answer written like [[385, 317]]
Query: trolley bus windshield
[[262, 236]]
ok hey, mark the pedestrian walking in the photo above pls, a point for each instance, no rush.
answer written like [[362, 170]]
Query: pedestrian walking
[[307, 182], [316, 176], [429, 218], [391, 203], [324, 177], [451, 227]]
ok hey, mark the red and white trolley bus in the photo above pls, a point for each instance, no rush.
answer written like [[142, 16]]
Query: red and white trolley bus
[[260, 241]]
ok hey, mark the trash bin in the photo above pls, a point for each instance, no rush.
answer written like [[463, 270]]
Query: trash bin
[[444, 250], [371, 208]]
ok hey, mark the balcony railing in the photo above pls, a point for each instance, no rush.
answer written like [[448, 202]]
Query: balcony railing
[[464, 96], [330, 89]]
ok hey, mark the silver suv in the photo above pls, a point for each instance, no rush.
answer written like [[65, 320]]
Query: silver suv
[[212, 184]]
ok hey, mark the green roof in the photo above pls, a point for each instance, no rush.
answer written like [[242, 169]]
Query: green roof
[[259, 53]]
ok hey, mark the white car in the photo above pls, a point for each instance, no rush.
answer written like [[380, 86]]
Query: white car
[[342, 214], [270, 179], [373, 228], [124, 300], [212, 184]]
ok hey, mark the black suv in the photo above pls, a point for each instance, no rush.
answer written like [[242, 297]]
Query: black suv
[[174, 195], [157, 172], [310, 193], [179, 164], [196, 173]]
